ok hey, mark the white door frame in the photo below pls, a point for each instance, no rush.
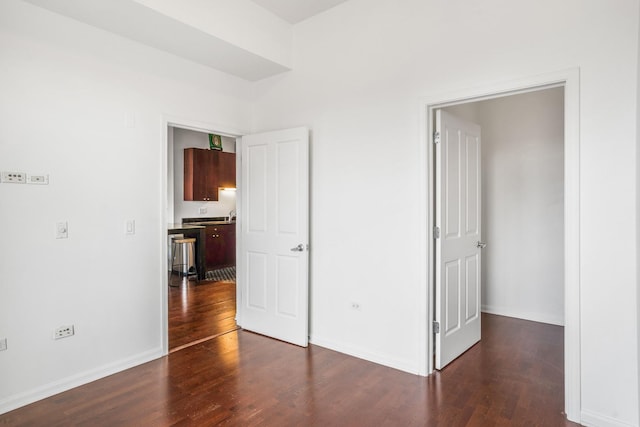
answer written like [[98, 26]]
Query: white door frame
[[570, 80], [182, 123]]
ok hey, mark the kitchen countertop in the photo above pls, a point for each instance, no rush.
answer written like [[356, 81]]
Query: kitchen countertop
[[203, 223], [179, 226], [212, 220]]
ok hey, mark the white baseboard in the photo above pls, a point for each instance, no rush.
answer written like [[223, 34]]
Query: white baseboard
[[591, 419], [401, 365], [519, 314], [47, 390]]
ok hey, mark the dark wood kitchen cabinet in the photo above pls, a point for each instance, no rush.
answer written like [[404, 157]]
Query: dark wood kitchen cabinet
[[227, 167], [220, 246], [205, 171]]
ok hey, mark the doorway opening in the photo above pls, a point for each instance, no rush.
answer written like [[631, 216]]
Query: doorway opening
[[568, 82], [272, 205], [522, 207], [199, 297]]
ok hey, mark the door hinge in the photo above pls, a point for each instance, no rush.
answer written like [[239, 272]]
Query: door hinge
[[436, 232], [436, 327], [436, 137]]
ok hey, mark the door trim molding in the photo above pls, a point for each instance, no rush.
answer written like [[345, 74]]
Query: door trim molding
[[182, 123], [570, 80]]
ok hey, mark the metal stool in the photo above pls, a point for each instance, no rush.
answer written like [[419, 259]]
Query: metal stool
[[187, 247]]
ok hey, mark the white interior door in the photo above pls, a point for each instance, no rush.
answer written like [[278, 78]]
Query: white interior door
[[273, 261], [458, 237]]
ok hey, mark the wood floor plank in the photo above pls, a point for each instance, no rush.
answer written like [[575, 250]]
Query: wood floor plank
[[199, 310], [513, 377]]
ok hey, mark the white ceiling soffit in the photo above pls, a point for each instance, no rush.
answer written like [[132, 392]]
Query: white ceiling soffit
[[294, 11], [142, 24]]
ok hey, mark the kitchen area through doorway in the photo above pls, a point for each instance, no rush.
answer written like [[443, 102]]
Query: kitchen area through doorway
[[201, 236]]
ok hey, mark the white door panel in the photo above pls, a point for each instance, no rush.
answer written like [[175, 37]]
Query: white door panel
[[458, 216], [256, 281], [255, 191], [274, 219], [473, 289]]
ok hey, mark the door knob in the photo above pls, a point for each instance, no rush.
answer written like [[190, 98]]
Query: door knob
[[299, 248], [481, 245]]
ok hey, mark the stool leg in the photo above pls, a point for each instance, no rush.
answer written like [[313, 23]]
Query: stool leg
[[192, 250], [195, 267], [173, 263]]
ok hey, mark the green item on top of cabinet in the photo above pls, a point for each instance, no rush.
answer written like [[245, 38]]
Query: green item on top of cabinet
[[215, 142]]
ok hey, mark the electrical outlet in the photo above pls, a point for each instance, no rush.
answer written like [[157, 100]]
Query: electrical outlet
[[13, 177], [37, 179], [202, 210], [3, 344], [63, 332], [355, 306]]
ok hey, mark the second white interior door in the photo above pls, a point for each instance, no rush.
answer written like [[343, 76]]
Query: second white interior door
[[458, 252]]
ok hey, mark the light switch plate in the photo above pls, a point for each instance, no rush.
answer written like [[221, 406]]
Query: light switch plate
[[130, 226], [62, 230]]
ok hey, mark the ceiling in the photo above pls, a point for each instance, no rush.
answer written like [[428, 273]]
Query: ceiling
[[294, 11], [134, 20]]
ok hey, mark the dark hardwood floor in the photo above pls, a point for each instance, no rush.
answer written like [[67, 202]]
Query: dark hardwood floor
[[513, 377], [199, 311]]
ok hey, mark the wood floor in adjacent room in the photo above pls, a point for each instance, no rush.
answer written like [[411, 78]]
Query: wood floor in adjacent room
[[199, 311], [514, 377]]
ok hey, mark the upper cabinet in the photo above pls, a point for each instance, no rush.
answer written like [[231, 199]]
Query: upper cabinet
[[205, 171], [227, 164]]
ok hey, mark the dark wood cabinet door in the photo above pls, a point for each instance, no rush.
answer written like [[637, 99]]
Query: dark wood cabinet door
[[227, 165], [230, 246], [211, 183], [215, 247], [221, 246], [201, 180]]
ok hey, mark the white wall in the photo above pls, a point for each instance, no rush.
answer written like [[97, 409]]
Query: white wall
[[358, 87], [184, 138], [87, 108], [522, 206]]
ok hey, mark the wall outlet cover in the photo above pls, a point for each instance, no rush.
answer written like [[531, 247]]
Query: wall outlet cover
[[40, 179], [63, 332], [13, 177]]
